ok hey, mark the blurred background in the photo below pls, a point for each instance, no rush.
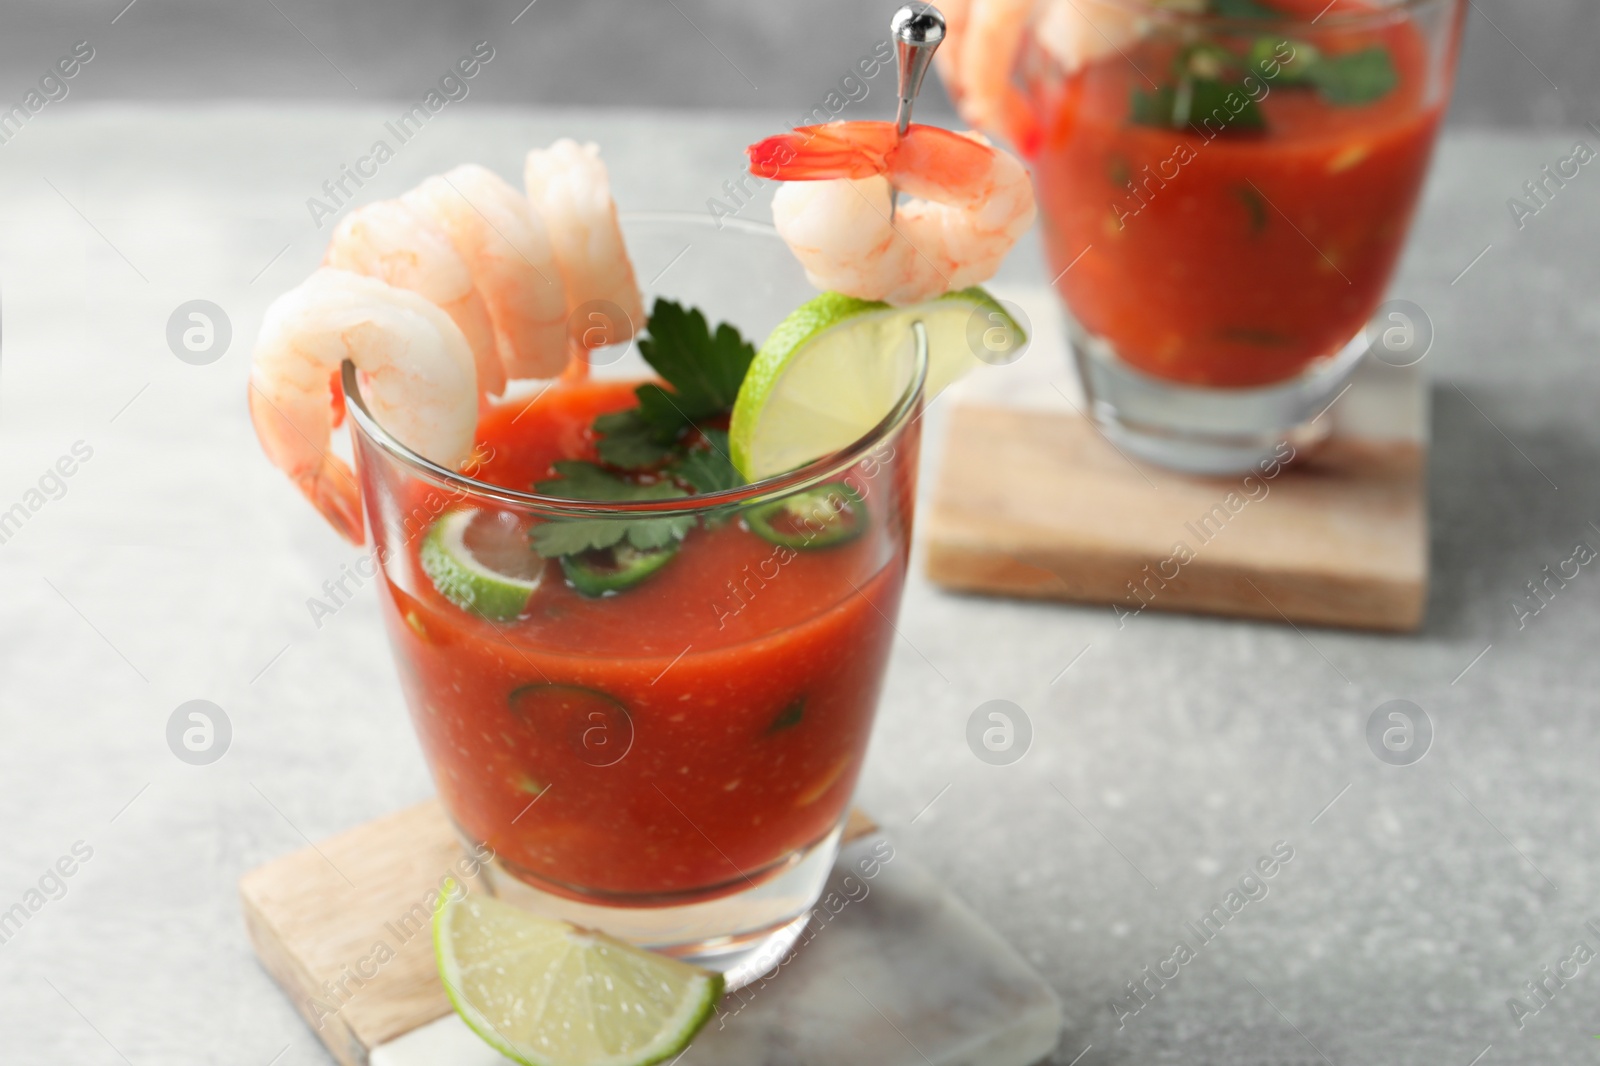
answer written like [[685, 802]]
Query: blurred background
[[1526, 63]]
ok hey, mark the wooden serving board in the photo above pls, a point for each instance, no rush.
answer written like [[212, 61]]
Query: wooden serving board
[[344, 926], [1031, 500]]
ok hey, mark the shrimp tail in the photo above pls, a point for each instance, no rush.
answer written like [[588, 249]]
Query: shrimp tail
[[859, 150], [332, 490], [325, 480], [814, 153]]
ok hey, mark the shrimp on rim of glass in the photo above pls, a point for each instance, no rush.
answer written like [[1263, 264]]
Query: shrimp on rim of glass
[[509, 253], [393, 242], [972, 202], [568, 186], [417, 371], [438, 299]]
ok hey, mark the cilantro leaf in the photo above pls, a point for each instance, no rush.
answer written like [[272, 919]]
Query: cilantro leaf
[[569, 537], [708, 471], [1207, 77], [1344, 81], [718, 439], [629, 441], [667, 412], [1152, 108], [1242, 9], [1192, 103], [1209, 98], [1355, 78], [1266, 61], [657, 532], [705, 369], [581, 480]]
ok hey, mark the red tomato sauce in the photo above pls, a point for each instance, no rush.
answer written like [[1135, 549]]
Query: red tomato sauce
[[673, 741], [1237, 258]]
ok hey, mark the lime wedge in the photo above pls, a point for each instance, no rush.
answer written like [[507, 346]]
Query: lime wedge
[[482, 562], [547, 993], [833, 369]]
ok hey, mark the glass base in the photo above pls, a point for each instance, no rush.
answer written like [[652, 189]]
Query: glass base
[[742, 934], [1201, 430]]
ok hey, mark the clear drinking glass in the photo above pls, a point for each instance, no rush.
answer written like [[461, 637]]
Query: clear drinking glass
[[671, 763], [1224, 199]]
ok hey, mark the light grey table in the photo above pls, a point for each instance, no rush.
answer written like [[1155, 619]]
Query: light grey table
[[1172, 754]]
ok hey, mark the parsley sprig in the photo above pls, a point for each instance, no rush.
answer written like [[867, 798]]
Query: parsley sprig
[[1241, 9], [1210, 82], [668, 446], [1354, 78], [581, 480], [705, 370]]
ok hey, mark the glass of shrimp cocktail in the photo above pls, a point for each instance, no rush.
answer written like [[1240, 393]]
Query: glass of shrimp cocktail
[[1226, 186], [645, 683], [642, 611]]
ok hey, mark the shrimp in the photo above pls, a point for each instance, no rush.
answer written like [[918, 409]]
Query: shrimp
[[1074, 34], [987, 51], [975, 201], [569, 187], [392, 242], [508, 253], [983, 39], [948, 58], [418, 374]]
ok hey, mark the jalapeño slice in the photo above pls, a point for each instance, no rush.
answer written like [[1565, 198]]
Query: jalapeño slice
[[792, 715], [823, 516], [599, 571]]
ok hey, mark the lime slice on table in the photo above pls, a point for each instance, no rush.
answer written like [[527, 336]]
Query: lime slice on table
[[832, 370], [547, 993], [482, 562]]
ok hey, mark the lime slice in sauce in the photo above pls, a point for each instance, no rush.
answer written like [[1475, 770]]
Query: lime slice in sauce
[[482, 562]]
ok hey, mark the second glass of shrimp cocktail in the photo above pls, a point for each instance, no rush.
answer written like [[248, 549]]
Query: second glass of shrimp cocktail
[[1226, 186], [641, 611]]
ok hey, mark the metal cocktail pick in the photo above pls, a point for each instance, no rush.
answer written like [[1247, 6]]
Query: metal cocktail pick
[[917, 29]]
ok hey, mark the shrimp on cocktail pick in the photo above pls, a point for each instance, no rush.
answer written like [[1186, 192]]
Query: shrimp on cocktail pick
[[417, 372], [393, 242], [508, 252], [570, 189], [972, 203]]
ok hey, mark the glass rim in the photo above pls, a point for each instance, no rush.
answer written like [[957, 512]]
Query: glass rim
[[808, 476], [1153, 9]]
